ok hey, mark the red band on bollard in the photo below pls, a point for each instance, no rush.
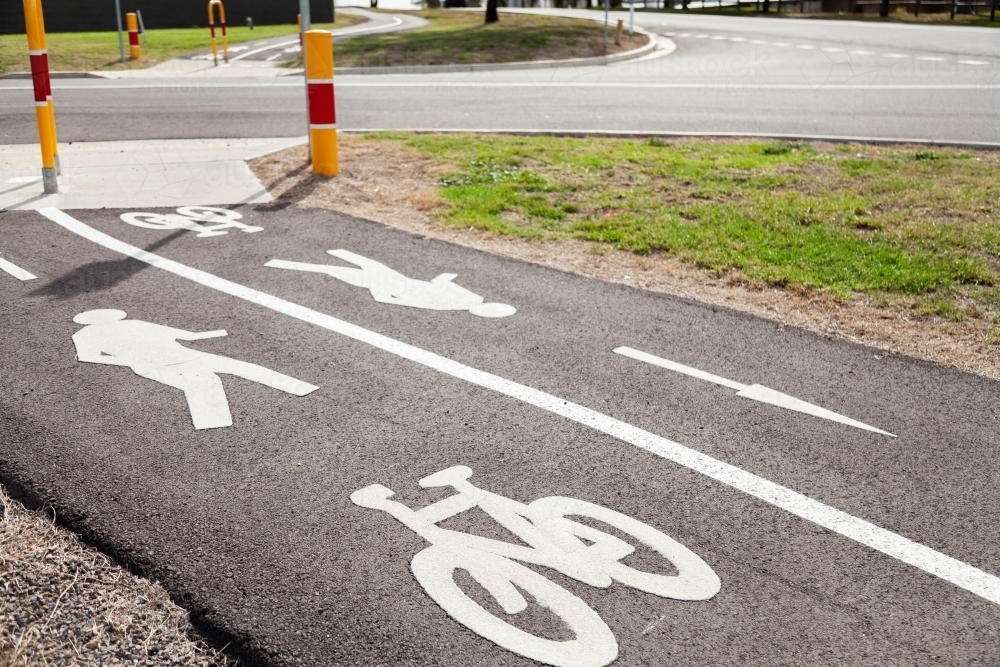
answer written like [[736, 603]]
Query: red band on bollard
[[40, 77], [322, 110], [211, 29], [133, 38], [223, 24]]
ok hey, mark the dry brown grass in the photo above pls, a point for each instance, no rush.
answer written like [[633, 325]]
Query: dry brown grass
[[63, 603], [384, 182]]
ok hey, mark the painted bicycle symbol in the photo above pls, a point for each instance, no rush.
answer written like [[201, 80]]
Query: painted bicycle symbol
[[193, 218], [572, 548]]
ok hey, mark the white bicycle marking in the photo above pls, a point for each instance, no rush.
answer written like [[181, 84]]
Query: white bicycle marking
[[152, 351], [193, 218], [754, 392], [935, 563], [574, 549], [15, 270], [388, 286]]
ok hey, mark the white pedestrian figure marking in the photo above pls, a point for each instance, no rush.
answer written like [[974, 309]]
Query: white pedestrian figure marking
[[15, 270], [574, 549], [388, 286], [192, 218], [153, 351]]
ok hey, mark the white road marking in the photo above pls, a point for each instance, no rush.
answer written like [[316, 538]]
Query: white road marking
[[894, 55], [152, 351], [757, 41], [719, 37], [16, 271], [863, 53], [25, 179], [780, 44], [274, 57], [933, 59], [755, 392], [892, 544], [973, 62], [553, 541], [190, 218], [737, 39], [388, 286], [684, 34], [805, 46], [701, 36], [832, 50]]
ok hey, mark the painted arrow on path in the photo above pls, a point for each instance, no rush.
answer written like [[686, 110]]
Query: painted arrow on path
[[756, 392]]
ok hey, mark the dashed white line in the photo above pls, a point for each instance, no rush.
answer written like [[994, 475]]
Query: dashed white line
[[804, 46], [933, 59], [831, 49], [863, 53], [737, 39], [718, 37], [933, 562], [973, 62], [701, 36], [894, 55], [781, 44]]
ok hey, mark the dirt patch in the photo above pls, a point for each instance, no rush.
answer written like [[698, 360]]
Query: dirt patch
[[381, 181], [62, 603]]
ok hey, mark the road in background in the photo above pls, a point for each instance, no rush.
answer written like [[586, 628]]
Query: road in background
[[727, 75]]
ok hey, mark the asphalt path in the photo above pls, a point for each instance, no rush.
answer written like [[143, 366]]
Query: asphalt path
[[252, 526], [727, 75]]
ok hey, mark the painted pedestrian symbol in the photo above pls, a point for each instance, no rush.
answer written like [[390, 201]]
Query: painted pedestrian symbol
[[194, 219], [388, 286], [153, 351], [574, 549]]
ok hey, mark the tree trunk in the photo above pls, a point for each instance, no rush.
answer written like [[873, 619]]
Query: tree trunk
[[491, 11]]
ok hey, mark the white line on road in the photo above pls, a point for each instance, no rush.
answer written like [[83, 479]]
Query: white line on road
[[365, 81], [892, 544], [754, 392], [15, 270], [972, 62]]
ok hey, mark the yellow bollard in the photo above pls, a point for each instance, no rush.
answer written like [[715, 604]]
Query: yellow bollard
[[51, 107], [317, 54], [44, 113], [132, 22], [211, 27]]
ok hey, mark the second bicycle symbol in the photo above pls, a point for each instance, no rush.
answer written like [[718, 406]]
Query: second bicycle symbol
[[554, 541]]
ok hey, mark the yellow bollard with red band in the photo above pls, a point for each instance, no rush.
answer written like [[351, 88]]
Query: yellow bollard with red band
[[211, 27], [317, 53], [132, 23], [44, 110]]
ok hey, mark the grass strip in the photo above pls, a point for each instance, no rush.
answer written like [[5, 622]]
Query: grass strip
[[458, 37], [94, 51], [893, 223]]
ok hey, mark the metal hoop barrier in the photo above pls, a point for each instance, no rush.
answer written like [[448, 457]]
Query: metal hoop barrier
[[211, 27], [132, 22], [44, 109], [317, 53]]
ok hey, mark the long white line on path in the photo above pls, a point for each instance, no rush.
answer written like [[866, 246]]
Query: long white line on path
[[892, 544], [15, 270], [755, 392]]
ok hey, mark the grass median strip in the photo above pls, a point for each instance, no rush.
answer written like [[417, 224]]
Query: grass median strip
[[457, 37], [91, 51], [899, 224]]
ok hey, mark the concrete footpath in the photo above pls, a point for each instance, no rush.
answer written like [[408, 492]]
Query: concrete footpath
[[123, 174]]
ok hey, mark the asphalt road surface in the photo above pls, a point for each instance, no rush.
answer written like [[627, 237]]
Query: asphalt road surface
[[727, 75], [793, 539]]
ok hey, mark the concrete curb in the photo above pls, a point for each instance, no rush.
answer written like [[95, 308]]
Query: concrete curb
[[643, 50], [650, 134]]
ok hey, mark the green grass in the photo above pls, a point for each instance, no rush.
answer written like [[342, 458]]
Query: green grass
[[922, 225], [462, 37], [82, 51]]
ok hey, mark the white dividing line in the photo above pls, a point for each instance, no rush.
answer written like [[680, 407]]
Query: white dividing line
[[933, 59], [831, 50], [280, 45], [15, 270], [755, 392], [895, 55], [972, 62], [933, 562], [805, 46], [863, 53]]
